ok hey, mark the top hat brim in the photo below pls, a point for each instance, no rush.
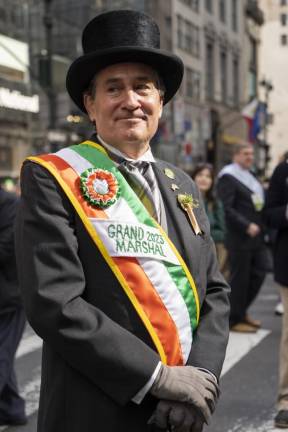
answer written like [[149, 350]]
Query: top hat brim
[[82, 70]]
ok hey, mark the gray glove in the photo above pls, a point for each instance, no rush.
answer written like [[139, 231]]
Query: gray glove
[[176, 417], [187, 384]]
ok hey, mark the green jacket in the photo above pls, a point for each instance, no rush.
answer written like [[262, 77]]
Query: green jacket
[[216, 216]]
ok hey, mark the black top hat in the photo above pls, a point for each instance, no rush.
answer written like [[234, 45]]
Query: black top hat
[[122, 36]]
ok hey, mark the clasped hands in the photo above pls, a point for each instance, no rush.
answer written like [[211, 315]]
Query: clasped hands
[[187, 398]]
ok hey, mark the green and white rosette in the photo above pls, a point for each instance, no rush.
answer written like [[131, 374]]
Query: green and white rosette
[[99, 187]]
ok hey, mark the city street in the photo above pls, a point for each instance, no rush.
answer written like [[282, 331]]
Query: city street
[[248, 384]]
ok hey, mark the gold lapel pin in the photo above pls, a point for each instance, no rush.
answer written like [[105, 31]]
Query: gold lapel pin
[[174, 187], [169, 173], [188, 203]]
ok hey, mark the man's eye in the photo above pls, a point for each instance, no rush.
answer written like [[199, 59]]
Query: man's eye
[[113, 89], [143, 87]]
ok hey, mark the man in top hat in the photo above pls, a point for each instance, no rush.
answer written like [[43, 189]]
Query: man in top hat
[[116, 264]]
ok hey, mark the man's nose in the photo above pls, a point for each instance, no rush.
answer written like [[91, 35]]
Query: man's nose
[[131, 100]]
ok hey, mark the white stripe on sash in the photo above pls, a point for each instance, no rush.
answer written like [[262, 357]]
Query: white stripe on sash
[[155, 270], [172, 299]]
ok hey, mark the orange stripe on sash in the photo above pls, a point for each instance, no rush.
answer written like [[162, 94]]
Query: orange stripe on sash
[[153, 307], [146, 300]]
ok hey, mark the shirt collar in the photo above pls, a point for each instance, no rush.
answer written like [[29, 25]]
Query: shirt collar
[[240, 168], [146, 157]]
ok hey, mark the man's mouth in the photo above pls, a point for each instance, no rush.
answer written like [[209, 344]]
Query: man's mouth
[[133, 118]]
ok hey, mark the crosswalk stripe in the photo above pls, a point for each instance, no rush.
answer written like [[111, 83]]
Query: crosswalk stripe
[[239, 345], [30, 393], [29, 344], [267, 426]]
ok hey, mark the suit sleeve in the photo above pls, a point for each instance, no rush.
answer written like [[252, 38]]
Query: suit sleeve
[[7, 218], [53, 282], [227, 193], [275, 210], [211, 337]]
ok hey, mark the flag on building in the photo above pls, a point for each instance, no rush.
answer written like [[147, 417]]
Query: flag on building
[[254, 113]]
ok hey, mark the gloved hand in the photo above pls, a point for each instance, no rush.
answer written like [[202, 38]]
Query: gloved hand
[[176, 417], [187, 384]]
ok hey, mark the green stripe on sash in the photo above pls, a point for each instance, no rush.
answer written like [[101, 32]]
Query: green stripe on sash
[[177, 273]]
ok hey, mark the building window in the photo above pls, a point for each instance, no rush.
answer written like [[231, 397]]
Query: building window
[[223, 75], [283, 39], [188, 37], [253, 68], [195, 41], [17, 17], [180, 33], [236, 81], [209, 71], [252, 83], [234, 16], [283, 19], [6, 158], [253, 53], [208, 4], [193, 4], [192, 84], [222, 10], [3, 14]]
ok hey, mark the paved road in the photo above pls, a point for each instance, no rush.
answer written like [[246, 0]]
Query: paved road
[[249, 388], [248, 384]]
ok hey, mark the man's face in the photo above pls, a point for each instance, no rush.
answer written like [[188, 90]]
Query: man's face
[[245, 157], [127, 105]]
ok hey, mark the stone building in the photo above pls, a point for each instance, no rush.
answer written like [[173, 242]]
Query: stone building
[[19, 104], [273, 70], [214, 40]]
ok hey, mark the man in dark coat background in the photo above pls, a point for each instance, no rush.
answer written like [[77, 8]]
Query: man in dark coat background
[[243, 199], [12, 317], [276, 215], [102, 369]]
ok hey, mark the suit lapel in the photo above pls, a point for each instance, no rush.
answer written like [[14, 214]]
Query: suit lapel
[[176, 217]]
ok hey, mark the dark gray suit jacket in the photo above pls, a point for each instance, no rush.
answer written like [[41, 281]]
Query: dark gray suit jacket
[[9, 291], [239, 213], [275, 212], [97, 355]]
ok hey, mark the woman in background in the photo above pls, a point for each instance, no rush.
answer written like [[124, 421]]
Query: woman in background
[[203, 176]]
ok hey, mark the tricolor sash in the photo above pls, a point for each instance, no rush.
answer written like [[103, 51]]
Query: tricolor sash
[[143, 259]]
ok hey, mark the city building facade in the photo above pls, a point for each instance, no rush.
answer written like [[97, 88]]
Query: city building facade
[[214, 40], [273, 69], [19, 104]]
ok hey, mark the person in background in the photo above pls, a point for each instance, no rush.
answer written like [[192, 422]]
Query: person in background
[[243, 199], [279, 309], [203, 175], [276, 216], [12, 317]]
